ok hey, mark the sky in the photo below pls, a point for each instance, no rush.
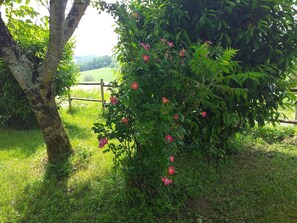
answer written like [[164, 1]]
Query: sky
[[94, 34]]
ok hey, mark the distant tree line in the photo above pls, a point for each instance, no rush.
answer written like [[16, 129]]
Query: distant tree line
[[94, 62]]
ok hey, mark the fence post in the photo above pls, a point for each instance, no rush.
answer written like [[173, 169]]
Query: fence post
[[69, 99], [102, 94]]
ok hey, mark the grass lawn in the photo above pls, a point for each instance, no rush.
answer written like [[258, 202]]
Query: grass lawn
[[258, 184], [107, 74]]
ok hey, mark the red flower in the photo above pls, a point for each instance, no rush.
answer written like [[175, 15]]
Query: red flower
[[165, 100], [166, 181], [125, 121], [171, 170], [134, 85], [168, 138], [113, 100], [182, 53], [175, 116], [204, 114], [103, 142], [170, 44], [145, 58], [146, 46], [171, 159]]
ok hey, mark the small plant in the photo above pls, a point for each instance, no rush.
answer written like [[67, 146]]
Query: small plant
[[81, 158]]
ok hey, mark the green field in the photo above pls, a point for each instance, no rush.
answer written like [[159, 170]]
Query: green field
[[106, 73]]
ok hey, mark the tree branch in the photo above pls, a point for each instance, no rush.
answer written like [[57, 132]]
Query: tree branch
[[74, 16], [61, 30], [55, 47], [17, 62]]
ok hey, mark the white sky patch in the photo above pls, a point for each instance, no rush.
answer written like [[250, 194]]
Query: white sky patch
[[94, 34]]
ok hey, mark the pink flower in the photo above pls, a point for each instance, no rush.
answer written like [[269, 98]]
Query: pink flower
[[170, 44], [175, 116], [169, 138], [182, 53], [134, 85], [146, 46], [171, 158], [165, 100], [203, 114], [145, 58], [166, 181], [125, 121], [113, 100], [171, 170], [102, 142]]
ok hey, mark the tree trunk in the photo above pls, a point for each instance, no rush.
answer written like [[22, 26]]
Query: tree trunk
[[37, 81], [53, 131]]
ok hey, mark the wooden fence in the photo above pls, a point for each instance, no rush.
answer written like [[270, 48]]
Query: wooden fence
[[103, 101]]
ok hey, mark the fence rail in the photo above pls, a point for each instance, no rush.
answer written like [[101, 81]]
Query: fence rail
[[104, 102]]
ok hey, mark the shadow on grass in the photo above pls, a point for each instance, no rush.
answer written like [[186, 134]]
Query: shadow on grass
[[25, 142], [253, 186], [76, 131], [256, 185], [54, 199]]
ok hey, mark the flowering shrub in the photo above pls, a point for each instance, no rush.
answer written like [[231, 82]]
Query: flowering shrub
[[150, 129], [173, 93], [146, 124]]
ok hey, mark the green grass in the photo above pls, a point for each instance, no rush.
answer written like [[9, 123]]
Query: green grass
[[107, 74], [259, 184]]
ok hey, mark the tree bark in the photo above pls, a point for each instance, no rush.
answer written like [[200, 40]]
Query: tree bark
[[53, 131], [37, 82]]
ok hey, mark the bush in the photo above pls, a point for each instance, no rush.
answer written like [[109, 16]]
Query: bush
[[178, 88], [263, 32], [163, 91]]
